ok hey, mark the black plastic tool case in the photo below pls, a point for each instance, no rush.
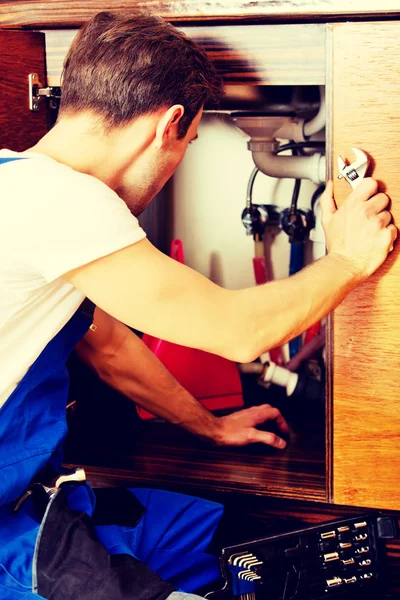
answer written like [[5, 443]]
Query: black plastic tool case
[[339, 559]]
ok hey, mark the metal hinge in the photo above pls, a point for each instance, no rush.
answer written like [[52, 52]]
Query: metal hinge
[[37, 92]]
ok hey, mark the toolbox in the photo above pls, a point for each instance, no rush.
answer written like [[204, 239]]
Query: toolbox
[[339, 559]]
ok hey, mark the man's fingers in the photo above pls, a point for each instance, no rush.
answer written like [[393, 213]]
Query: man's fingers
[[394, 231], [365, 189], [393, 234], [265, 412], [328, 204], [268, 438], [377, 204], [281, 423], [385, 217]]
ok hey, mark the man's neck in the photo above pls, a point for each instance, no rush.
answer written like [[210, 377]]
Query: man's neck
[[82, 143]]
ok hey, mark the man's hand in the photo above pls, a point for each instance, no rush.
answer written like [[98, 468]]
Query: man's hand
[[360, 231], [240, 428]]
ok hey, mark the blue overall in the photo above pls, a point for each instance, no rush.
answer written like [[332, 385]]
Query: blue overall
[[171, 537]]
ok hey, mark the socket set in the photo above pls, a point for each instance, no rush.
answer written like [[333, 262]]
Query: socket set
[[341, 559]]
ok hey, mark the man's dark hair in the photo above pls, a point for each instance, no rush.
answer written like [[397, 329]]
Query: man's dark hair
[[121, 66]]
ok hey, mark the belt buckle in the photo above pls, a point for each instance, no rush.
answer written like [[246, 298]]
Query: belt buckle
[[76, 475]]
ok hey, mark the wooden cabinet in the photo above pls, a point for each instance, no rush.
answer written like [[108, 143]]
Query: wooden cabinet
[[359, 464], [363, 455], [365, 113]]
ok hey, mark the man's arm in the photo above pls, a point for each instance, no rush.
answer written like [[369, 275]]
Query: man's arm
[[124, 362], [145, 289]]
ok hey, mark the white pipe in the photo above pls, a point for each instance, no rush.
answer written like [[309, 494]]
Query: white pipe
[[300, 130], [318, 122], [293, 167], [280, 376], [291, 130], [317, 235], [272, 373]]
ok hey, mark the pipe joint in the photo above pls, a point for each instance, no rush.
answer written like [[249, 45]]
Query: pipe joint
[[280, 376], [265, 146], [292, 130]]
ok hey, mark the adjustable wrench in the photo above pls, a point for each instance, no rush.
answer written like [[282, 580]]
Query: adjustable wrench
[[355, 171]]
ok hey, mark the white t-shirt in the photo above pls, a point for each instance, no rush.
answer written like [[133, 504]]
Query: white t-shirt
[[52, 220]]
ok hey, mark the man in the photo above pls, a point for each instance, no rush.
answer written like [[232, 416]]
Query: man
[[133, 94]]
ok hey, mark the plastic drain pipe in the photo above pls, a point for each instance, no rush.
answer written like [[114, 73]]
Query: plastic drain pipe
[[294, 167], [318, 122], [272, 373], [264, 131], [300, 130]]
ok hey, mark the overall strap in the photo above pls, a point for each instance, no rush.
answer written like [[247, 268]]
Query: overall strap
[[11, 159]]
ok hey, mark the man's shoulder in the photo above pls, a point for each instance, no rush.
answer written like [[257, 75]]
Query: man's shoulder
[[40, 170]]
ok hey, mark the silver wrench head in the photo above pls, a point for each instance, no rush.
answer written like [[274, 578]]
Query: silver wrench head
[[355, 171]]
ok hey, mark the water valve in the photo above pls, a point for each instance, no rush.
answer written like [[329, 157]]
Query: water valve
[[254, 219], [297, 224]]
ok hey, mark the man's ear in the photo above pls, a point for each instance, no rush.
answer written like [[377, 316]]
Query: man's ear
[[168, 126]]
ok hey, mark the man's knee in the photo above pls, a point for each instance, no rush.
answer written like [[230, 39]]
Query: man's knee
[[183, 596]]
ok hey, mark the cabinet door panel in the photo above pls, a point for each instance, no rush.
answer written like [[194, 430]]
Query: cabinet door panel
[[365, 101], [21, 53]]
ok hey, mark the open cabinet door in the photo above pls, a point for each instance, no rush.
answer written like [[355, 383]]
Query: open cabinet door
[[365, 103], [21, 53]]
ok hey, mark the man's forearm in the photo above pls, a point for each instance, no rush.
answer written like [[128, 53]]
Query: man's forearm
[[130, 367], [280, 310], [123, 361]]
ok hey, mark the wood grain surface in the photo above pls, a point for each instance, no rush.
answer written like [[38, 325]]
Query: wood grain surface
[[250, 54], [366, 330], [21, 53], [166, 456], [67, 13]]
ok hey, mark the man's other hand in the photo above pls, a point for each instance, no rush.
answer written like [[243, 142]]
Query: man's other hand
[[240, 428]]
